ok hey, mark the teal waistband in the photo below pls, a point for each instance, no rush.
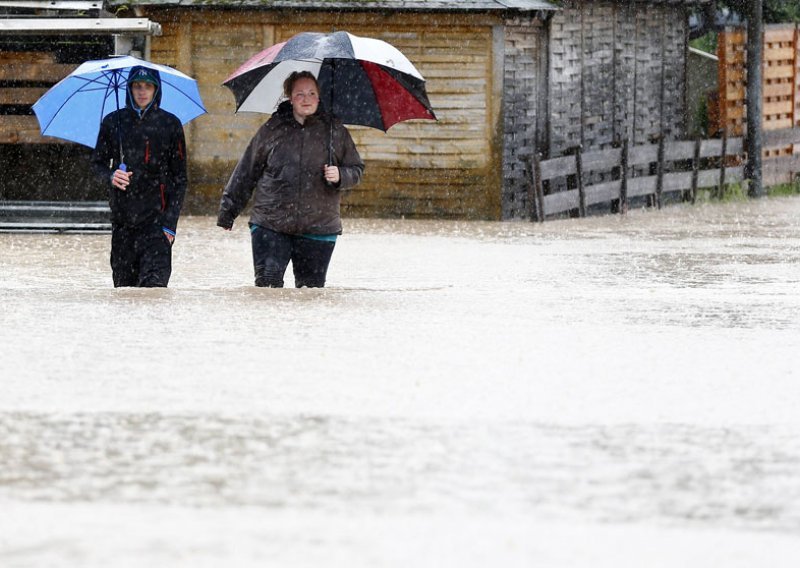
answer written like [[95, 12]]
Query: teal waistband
[[327, 238]]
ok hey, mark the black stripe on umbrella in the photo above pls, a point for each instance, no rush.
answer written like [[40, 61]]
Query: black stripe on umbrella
[[378, 89]]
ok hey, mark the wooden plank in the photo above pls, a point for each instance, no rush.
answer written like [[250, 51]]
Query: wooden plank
[[778, 107], [560, 202], [708, 178], [677, 181], [643, 154], [711, 148], [777, 123], [26, 57], [772, 35], [781, 137], [779, 54], [735, 146], [787, 165], [778, 90], [779, 72], [602, 192], [22, 130], [21, 96], [640, 186], [735, 174], [739, 57], [734, 113], [602, 160], [735, 75], [44, 72], [558, 167], [679, 150]]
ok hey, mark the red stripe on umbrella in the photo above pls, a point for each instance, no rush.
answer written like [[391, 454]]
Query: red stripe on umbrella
[[261, 58], [396, 104]]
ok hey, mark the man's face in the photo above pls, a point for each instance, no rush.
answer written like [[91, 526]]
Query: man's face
[[143, 93]]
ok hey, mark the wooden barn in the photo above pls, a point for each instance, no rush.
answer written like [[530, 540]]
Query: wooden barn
[[505, 77]]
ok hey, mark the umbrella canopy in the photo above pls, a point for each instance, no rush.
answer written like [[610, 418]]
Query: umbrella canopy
[[362, 81], [75, 106]]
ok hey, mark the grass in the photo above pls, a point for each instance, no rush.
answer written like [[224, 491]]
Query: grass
[[737, 192], [784, 189]]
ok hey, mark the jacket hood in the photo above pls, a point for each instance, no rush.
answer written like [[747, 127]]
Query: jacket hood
[[284, 112], [147, 75]]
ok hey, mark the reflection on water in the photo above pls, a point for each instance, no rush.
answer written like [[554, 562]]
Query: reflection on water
[[458, 386], [680, 475]]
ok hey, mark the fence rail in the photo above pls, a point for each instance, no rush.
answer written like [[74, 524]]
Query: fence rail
[[653, 170]]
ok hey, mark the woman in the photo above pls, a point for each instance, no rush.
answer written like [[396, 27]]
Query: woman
[[295, 212]]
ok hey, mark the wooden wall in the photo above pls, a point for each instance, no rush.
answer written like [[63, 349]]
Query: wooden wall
[[24, 77], [525, 108], [616, 70], [446, 169], [32, 166], [612, 71]]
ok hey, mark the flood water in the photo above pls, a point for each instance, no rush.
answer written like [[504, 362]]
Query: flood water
[[607, 392]]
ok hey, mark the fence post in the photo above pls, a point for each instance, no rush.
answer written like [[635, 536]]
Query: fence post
[[755, 97], [721, 186], [623, 179], [537, 186], [695, 168], [530, 206], [660, 171], [579, 174]]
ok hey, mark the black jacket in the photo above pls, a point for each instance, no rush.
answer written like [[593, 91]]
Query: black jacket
[[154, 149], [283, 164]]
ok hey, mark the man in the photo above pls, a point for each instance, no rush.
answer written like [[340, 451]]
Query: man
[[141, 155]]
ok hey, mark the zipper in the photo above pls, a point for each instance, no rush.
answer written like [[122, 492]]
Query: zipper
[[163, 199], [147, 152]]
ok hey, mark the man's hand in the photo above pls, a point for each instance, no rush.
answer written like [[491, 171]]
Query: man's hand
[[121, 179]]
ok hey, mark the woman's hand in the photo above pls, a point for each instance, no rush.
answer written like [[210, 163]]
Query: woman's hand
[[331, 174]]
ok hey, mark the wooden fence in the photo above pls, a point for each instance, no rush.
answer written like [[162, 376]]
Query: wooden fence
[[780, 89], [648, 170]]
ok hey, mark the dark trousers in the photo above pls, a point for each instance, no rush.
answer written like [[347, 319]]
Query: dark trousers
[[272, 252], [141, 256]]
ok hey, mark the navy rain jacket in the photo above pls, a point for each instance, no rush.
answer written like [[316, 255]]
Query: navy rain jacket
[[154, 149]]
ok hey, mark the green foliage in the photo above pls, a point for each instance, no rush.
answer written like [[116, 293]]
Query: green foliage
[[775, 11], [784, 189], [707, 43], [735, 192]]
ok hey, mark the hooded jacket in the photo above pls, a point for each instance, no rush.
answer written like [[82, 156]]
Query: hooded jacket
[[283, 165], [154, 150]]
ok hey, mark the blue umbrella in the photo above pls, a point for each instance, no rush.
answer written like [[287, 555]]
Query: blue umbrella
[[74, 107]]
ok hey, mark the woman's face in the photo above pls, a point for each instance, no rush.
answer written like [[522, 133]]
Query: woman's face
[[305, 98]]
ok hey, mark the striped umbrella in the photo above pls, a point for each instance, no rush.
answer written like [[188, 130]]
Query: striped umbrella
[[362, 81]]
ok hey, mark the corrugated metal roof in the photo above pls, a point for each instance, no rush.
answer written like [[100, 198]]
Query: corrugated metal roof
[[410, 5]]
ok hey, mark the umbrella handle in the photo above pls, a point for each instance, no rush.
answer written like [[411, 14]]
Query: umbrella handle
[[123, 167]]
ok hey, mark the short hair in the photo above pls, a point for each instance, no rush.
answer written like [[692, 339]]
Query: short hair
[[288, 84]]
